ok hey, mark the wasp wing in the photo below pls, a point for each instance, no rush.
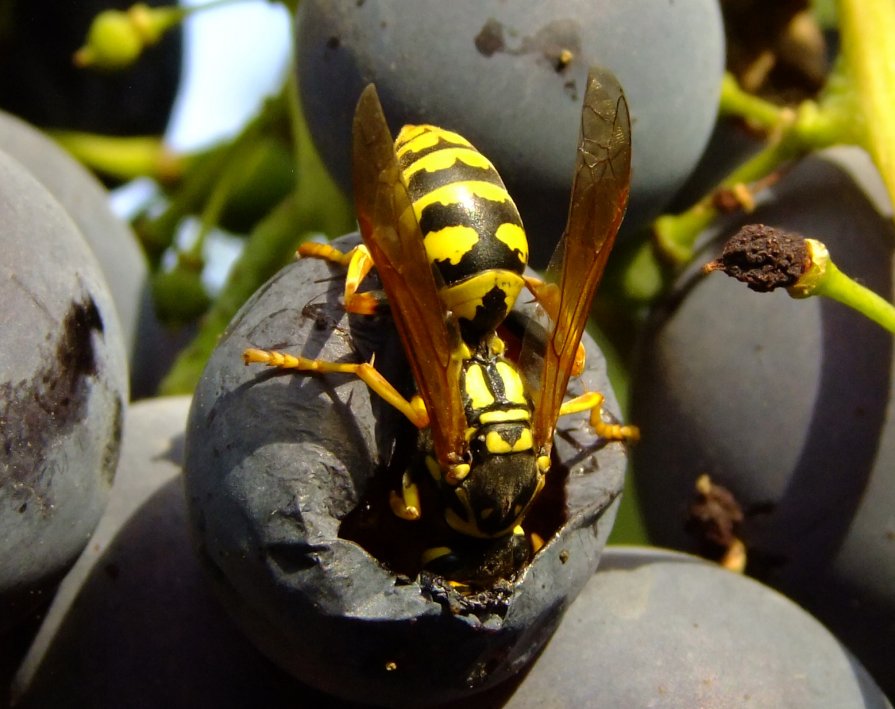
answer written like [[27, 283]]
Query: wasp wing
[[598, 202], [391, 233]]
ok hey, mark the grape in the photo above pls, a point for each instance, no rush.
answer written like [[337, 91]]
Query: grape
[[276, 461], [646, 609], [495, 73], [134, 614], [63, 389], [113, 243], [788, 404], [657, 628]]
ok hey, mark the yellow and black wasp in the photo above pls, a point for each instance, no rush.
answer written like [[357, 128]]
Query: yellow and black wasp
[[448, 244]]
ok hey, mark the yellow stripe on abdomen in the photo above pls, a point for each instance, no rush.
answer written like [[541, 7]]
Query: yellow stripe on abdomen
[[476, 388], [462, 193], [451, 243], [416, 139], [446, 159]]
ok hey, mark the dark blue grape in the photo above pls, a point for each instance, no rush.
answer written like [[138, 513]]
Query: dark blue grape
[[656, 628], [275, 464], [789, 405], [496, 73], [113, 244], [63, 389]]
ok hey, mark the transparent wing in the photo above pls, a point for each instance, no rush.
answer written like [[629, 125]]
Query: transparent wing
[[598, 202], [392, 235]]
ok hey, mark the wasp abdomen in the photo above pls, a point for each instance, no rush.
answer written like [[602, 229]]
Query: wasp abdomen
[[471, 228]]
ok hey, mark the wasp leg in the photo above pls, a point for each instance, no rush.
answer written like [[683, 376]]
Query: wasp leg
[[593, 401], [547, 295], [414, 409], [358, 262], [407, 504]]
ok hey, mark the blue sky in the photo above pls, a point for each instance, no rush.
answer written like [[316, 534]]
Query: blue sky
[[235, 55]]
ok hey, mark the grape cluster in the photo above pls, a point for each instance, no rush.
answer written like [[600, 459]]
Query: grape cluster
[[246, 555]]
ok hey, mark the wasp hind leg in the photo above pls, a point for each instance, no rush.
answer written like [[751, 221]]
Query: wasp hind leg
[[593, 401], [358, 262]]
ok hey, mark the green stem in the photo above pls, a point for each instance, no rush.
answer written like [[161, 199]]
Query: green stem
[[123, 158], [812, 126], [676, 234], [854, 108], [838, 286], [867, 29], [268, 247], [196, 191], [234, 163], [758, 112], [823, 277]]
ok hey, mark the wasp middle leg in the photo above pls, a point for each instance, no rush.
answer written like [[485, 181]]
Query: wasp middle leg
[[358, 262], [593, 401]]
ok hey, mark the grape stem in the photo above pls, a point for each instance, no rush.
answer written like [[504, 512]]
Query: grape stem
[[854, 108], [824, 278], [123, 158], [792, 134], [868, 44]]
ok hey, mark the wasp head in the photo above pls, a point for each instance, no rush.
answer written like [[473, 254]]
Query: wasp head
[[492, 498]]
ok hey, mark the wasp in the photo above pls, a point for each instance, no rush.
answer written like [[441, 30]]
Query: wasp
[[450, 250]]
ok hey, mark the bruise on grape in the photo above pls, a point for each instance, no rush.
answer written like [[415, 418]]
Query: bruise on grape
[[37, 412]]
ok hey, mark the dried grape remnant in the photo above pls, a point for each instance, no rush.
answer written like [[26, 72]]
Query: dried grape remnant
[[764, 258]]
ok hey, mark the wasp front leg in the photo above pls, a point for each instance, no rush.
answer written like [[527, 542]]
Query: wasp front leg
[[593, 401], [407, 504], [358, 262]]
